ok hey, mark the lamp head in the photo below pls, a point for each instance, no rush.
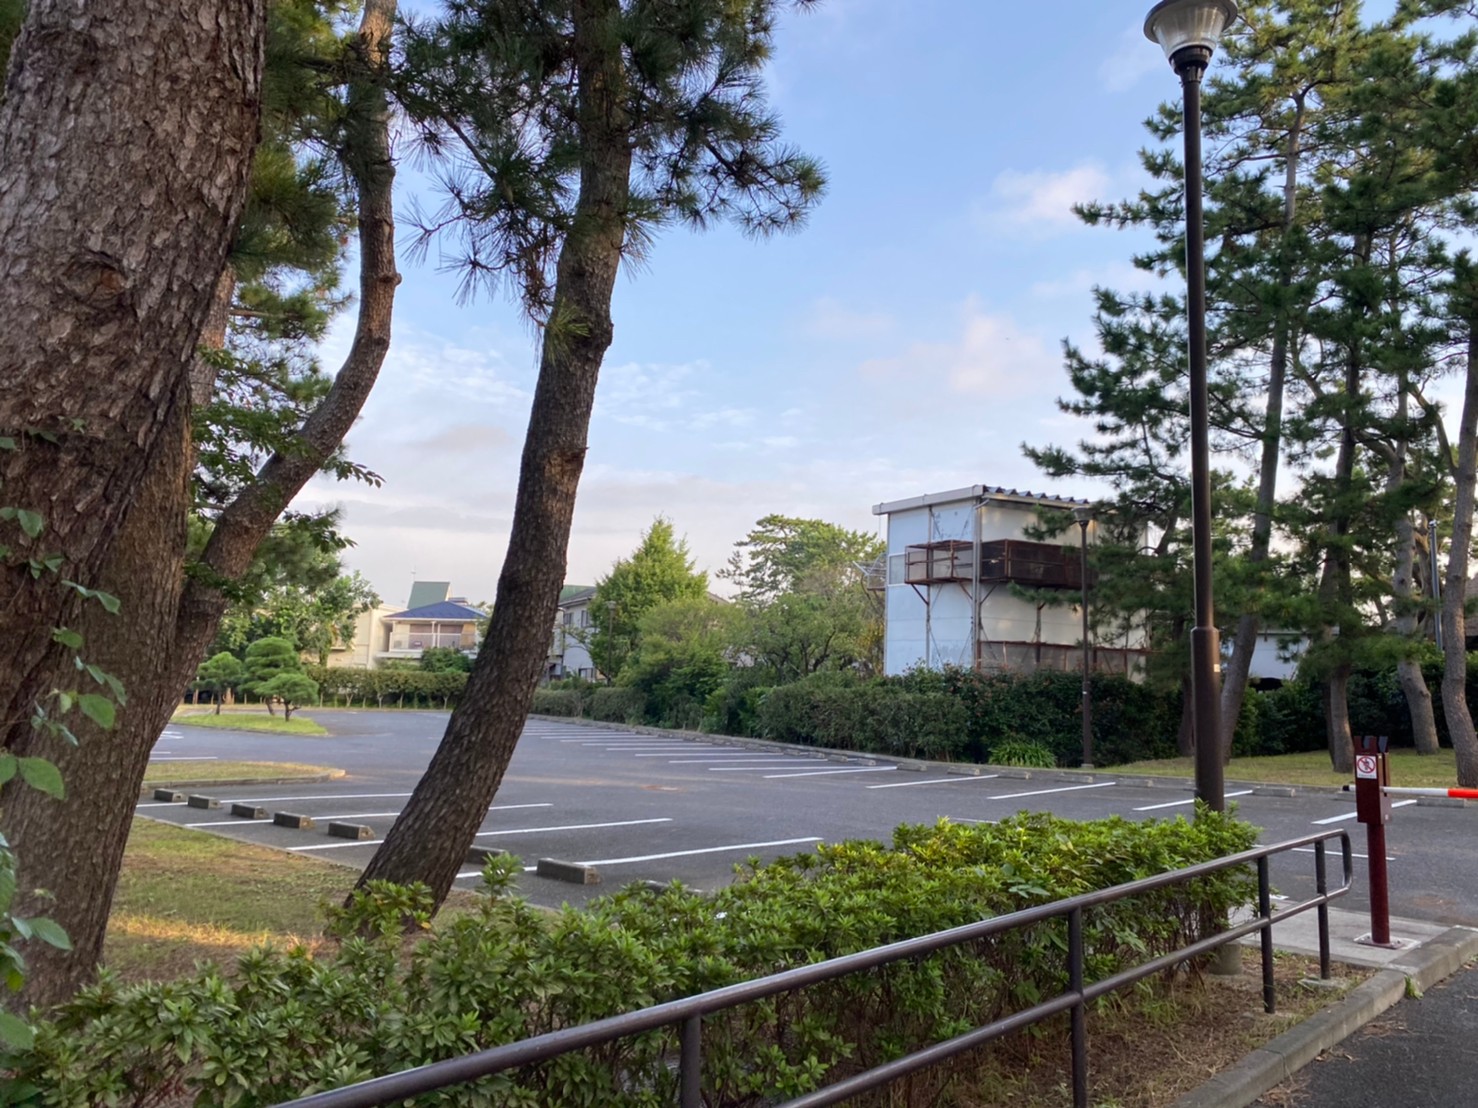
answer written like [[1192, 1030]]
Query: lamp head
[[1188, 30], [1083, 514]]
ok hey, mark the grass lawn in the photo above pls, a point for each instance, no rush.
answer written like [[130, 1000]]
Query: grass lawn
[[196, 773], [1312, 768], [248, 720], [186, 896]]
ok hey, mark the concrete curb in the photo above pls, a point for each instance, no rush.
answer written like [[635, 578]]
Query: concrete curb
[[1274, 1062], [230, 782]]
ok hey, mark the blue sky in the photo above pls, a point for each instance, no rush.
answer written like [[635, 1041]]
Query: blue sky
[[906, 341]]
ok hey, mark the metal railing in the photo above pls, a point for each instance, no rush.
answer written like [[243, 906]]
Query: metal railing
[[687, 1014]]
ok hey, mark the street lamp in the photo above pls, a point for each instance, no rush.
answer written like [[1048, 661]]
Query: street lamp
[[1188, 31], [1084, 516]]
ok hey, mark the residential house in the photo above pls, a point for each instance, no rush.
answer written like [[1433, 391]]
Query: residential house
[[952, 559], [569, 653], [433, 617]]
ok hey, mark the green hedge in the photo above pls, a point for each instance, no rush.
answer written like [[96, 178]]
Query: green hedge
[[618, 705], [386, 688], [283, 1024], [557, 702], [877, 718]]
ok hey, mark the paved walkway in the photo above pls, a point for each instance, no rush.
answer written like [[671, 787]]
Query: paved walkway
[[1419, 1054]]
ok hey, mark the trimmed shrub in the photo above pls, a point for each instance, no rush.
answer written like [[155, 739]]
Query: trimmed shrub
[[1014, 751], [876, 718], [618, 705], [285, 1024], [557, 702]]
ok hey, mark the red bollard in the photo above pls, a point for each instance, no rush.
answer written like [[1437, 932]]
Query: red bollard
[[1373, 809]]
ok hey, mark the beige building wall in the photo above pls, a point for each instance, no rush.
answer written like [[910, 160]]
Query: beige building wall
[[371, 633]]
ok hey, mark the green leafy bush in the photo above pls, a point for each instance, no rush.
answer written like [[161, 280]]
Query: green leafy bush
[[388, 687], [288, 1023], [618, 705], [878, 718], [1016, 751], [557, 702]]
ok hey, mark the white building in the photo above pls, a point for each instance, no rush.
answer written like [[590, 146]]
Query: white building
[[952, 559], [569, 654]]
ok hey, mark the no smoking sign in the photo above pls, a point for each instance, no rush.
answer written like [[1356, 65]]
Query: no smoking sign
[[1365, 766]]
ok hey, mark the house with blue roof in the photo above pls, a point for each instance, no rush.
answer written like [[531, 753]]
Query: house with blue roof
[[432, 618]]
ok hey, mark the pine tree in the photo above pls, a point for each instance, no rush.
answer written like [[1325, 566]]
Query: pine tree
[[574, 130]]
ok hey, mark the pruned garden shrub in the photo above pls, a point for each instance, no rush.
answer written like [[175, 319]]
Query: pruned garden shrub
[[557, 702], [283, 1024], [618, 705]]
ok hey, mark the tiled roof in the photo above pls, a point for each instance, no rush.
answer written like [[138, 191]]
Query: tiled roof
[[446, 610]]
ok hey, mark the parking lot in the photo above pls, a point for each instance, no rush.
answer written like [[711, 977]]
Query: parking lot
[[641, 807]]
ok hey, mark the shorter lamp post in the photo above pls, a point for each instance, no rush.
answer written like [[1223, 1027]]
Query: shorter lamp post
[[1084, 516]]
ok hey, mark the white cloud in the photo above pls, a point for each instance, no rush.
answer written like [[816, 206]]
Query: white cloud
[[1041, 200], [645, 395], [464, 438], [1120, 276], [829, 318], [991, 356], [1133, 58]]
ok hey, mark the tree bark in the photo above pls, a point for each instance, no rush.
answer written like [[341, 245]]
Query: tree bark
[[1335, 695], [1403, 589], [1454, 617], [1244, 642], [74, 847], [126, 135], [429, 840]]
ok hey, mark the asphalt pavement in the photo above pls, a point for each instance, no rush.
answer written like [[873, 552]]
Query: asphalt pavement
[[657, 807], [662, 807], [1422, 1053]]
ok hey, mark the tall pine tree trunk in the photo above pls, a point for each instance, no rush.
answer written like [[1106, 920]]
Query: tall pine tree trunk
[[429, 840], [74, 847], [109, 254], [1454, 619], [1335, 584], [1403, 590], [1244, 642]]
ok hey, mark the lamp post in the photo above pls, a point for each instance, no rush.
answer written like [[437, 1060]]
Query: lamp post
[[1084, 516], [1188, 31]]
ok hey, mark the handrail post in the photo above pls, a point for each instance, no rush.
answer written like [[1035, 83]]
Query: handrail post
[[1265, 910], [690, 1063], [1321, 883], [1080, 1009]]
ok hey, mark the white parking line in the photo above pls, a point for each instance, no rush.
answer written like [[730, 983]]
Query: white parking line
[[1311, 850], [483, 834], [574, 827], [934, 781], [751, 768], [821, 772], [674, 854], [1044, 792], [243, 821], [184, 758], [1352, 815], [1192, 800], [711, 758]]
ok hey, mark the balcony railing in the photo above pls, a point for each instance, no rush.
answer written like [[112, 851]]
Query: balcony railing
[[426, 642]]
